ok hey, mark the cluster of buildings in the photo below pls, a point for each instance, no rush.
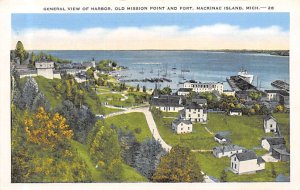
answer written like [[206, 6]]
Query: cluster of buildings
[[243, 161], [188, 111], [51, 70]]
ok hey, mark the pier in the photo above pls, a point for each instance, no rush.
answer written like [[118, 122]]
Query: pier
[[281, 85], [237, 83], [152, 80]]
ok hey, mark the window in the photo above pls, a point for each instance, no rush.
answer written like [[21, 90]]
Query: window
[[181, 129], [234, 166], [181, 124], [189, 115], [188, 128], [234, 158], [174, 108], [198, 115]]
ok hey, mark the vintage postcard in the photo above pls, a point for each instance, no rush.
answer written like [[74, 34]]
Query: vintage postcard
[[151, 95]]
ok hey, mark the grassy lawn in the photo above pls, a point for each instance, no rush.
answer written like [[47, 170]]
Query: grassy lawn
[[217, 165], [211, 165], [129, 174], [46, 86], [131, 122], [170, 114], [107, 110], [243, 130], [115, 100], [198, 139]]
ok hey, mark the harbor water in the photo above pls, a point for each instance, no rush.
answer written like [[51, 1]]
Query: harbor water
[[204, 66]]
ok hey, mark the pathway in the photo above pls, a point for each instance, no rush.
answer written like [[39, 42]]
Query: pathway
[[150, 121], [152, 126], [208, 131]]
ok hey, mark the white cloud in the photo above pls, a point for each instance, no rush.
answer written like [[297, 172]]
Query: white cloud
[[218, 36]]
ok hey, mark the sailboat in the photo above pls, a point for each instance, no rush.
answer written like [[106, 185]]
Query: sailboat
[[142, 72]]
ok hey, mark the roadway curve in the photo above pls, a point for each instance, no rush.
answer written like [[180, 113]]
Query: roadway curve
[[150, 121]]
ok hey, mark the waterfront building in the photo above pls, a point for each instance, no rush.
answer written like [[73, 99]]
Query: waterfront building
[[197, 86]]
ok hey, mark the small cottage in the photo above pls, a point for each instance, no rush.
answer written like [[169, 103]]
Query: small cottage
[[281, 154], [220, 139], [246, 163], [228, 150], [235, 112], [272, 142], [270, 124], [180, 126]]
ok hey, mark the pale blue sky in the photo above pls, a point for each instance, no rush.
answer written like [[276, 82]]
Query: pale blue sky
[[77, 22]]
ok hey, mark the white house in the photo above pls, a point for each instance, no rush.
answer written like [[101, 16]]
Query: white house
[[270, 124], [229, 150], [246, 162], [220, 139], [229, 92], [45, 69], [197, 86], [272, 142], [182, 126], [167, 103], [272, 95], [235, 112], [194, 112], [184, 91]]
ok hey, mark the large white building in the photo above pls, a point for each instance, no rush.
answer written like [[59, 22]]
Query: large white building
[[167, 103], [197, 86], [182, 126], [246, 162], [194, 112], [45, 69]]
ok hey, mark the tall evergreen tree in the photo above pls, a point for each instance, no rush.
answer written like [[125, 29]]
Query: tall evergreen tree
[[30, 91], [20, 52], [148, 157], [40, 101]]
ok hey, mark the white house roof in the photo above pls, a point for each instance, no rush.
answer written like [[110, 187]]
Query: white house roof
[[228, 148], [178, 121]]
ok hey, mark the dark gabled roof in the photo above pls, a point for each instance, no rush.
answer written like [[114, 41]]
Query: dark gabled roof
[[267, 117], [228, 148], [248, 155], [281, 151], [184, 89], [275, 140], [260, 160], [272, 91], [178, 121], [199, 100], [235, 110], [167, 100], [193, 105], [219, 136], [191, 81]]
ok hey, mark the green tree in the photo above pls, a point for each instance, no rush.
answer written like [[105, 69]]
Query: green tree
[[279, 108], [179, 165], [148, 156], [223, 177], [21, 52], [138, 88], [105, 151], [144, 89]]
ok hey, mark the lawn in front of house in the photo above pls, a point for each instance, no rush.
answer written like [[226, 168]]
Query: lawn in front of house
[[198, 139], [135, 122], [213, 166], [245, 131]]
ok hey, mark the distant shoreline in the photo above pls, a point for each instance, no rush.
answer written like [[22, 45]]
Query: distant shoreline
[[269, 52]]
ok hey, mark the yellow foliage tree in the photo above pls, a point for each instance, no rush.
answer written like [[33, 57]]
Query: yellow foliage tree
[[46, 129]]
